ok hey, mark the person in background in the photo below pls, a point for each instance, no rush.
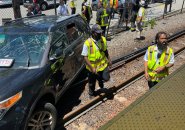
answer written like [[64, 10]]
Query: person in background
[[62, 9], [72, 6], [36, 9], [140, 19], [134, 9], [30, 11], [158, 59], [86, 11], [168, 2], [97, 59], [102, 16], [123, 13]]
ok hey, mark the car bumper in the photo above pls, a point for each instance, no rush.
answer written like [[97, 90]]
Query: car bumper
[[13, 120]]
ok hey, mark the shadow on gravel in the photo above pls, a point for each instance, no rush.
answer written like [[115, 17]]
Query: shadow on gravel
[[69, 100]]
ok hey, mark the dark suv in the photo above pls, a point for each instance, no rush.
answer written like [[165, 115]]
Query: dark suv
[[40, 57]]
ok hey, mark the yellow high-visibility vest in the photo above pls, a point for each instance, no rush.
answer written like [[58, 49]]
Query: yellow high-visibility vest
[[153, 64], [97, 57], [104, 18], [142, 9], [114, 4], [72, 4]]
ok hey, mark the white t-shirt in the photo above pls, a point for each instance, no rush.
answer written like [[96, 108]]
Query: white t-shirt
[[85, 49], [62, 10]]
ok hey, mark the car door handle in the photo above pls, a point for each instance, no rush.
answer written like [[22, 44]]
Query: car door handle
[[72, 53]]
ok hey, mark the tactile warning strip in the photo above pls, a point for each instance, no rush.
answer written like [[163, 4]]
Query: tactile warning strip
[[162, 108]]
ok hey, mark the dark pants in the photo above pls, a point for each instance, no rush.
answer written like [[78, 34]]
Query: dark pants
[[73, 11], [92, 81], [151, 84], [104, 30], [133, 19], [166, 7]]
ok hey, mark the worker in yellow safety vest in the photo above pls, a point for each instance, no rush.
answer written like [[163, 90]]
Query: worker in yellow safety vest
[[140, 20], [97, 59], [158, 59], [86, 11], [102, 16], [72, 6]]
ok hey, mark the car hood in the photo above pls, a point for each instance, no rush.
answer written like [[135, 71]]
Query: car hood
[[13, 81]]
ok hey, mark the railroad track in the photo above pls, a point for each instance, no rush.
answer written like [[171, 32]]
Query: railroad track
[[117, 63], [116, 30]]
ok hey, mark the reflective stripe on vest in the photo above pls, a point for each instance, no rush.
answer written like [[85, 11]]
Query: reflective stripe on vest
[[153, 64], [104, 18], [96, 57]]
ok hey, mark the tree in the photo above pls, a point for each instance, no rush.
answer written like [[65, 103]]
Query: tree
[[16, 8]]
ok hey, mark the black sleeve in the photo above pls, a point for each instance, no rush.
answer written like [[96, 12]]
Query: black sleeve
[[106, 53]]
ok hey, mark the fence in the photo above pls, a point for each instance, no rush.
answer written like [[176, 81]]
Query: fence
[[153, 10]]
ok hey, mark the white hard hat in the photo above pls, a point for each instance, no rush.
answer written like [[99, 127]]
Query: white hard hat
[[142, 3]]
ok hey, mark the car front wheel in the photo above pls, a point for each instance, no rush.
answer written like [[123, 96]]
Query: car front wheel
[[44, 6], [43, 118]]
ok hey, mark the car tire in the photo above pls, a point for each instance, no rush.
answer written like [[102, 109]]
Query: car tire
[[43, 117], [43, 6]]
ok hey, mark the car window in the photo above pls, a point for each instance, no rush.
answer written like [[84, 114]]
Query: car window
[[61, 44], [83, 27], [72, 32]]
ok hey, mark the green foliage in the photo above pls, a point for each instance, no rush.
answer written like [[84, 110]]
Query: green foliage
[[150, 23]]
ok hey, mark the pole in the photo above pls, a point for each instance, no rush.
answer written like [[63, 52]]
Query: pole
[[182, 5], [55, 7]]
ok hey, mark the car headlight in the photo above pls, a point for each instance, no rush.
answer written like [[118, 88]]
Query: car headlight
[[8, 103]]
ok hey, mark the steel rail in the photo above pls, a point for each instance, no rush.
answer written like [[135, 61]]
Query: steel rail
[[156, 18], [71, 116]]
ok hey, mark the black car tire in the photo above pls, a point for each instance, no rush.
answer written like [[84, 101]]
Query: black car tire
[[49, 111], [43, 6]]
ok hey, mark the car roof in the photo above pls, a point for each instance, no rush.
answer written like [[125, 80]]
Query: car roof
[[40, 23]]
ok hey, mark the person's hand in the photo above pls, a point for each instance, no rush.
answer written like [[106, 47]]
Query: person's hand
[[110, 63], [93, 70], [146, 76], [159, 69]]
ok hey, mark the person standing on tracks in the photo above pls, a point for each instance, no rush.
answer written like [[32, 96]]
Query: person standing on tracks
[[158, 59], [97, 59], [62, 9], [140, 20], [86, 11], [72, 6], [102, 16], [168, 2], [123, 12], [134, 11]]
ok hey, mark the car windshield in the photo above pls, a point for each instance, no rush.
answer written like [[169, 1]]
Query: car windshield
[[25, 50]]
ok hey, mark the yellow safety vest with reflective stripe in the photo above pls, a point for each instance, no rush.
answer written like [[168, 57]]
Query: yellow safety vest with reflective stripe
[[153, 64], [72, 4], [97, 57], [142, 9], [104, 18]]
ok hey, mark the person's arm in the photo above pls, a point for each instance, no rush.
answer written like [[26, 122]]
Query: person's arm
[[146, 70], [146, 65], [108, 57], [93, 70]]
